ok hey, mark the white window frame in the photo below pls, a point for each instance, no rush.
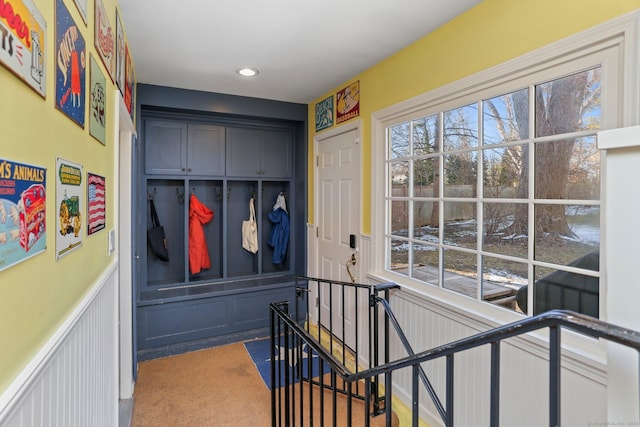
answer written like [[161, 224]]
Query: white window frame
[[612, 46]]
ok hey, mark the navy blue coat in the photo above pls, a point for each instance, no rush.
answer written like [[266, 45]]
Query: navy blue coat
[[279, 237]]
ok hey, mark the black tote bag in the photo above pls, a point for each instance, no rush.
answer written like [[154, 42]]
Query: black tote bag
[[155, 236]]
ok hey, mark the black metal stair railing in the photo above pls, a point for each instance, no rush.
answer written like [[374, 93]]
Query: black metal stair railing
[[307, 399]]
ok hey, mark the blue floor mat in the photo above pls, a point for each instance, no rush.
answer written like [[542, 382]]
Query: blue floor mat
[[261, 356]]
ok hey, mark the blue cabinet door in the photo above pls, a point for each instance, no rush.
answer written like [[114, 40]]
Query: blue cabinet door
[[165, 147]]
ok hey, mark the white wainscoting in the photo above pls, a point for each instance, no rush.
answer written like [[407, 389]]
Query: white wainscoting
[[524, 373], [73, 380]]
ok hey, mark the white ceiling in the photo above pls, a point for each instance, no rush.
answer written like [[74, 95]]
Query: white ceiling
[[302, 48]]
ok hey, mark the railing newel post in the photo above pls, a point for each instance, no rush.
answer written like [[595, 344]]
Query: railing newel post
[[495, 384], [448, 419], [554, 376]]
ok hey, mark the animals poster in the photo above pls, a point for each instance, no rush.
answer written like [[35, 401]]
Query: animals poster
[[104, 39], [348, 103], [97, 103], [69, 203], [23, 32], [71, 66], [95, 203], [324, 113], [23, 200]]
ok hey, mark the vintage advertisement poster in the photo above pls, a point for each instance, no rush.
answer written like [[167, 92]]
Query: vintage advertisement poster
[[129, 82], [104, 39], [97, 103], [71, 66], [23, 32], [96, 219], [120, 54], [69, 203], [23, 200], [324, 113], [348, 103]]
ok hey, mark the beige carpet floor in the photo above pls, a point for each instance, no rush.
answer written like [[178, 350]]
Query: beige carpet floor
[[214, 387]]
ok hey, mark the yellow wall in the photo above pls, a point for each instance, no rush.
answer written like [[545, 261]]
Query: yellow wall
[[37, 295], [489, 34]]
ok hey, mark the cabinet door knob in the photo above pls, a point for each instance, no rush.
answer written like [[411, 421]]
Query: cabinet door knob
[[258, 172], [189, 170], [183, 169]]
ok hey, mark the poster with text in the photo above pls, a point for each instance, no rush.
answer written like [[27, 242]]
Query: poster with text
[[348, 103], [23, 33], [71, 66], [129, 82], [97, 103], [69, 203], [104, 39], [120, 54], [23, 200], [324, 113], [96, 188]]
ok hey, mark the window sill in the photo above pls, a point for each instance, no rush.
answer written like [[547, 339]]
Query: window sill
[[583, 355]]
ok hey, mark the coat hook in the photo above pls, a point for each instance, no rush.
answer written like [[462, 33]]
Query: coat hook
[[151, 194], [180, 195]]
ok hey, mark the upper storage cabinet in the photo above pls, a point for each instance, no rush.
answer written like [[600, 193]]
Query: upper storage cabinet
[[174, 148], [259, 153]]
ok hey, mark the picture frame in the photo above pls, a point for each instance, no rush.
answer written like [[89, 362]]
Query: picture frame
[[104, 38], [82, 8], [324, 113], [23, 212], [27, 58], [97, 103], [348, 102], [69, 207], [71, 66], [120, 54], [96, 203]]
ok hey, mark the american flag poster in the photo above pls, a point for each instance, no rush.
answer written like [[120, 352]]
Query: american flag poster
[[95, 203]]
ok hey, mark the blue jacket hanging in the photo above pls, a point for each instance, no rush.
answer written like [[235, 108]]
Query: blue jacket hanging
[[279, 237]]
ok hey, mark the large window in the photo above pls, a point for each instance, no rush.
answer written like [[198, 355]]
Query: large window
[[499, 199]]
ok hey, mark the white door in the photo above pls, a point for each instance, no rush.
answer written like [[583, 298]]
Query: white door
[[338, 213]]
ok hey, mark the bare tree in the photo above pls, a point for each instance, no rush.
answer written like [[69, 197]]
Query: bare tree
[[561, 107]]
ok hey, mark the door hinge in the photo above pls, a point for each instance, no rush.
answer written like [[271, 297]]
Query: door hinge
[[317, 161], [317, 231]]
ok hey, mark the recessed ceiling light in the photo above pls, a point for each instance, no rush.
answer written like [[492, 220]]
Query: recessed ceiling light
[[248, 72]]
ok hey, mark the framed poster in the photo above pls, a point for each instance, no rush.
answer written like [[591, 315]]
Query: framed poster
[[69, 203], [82, 8], [23, 201], [104, 39], [95, 203], [324, 113], [128, 81], [97, 103], [348, 103], [71, 66], [120, 54], [24, 32]]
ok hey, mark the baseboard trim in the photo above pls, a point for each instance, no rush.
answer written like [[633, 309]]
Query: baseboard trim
[[179, 348]]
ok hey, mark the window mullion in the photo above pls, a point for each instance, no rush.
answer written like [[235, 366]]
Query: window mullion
[[479, 199], [530, 197]]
